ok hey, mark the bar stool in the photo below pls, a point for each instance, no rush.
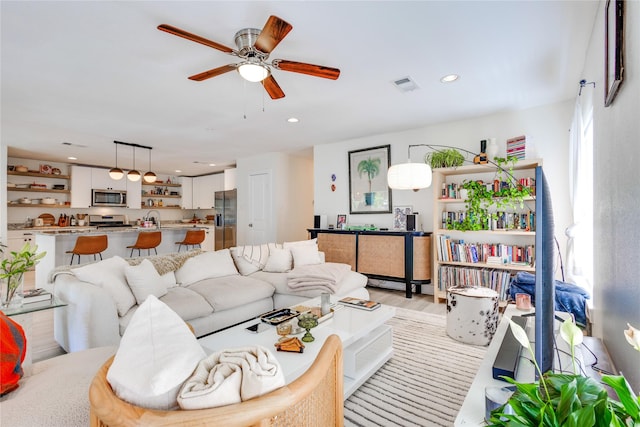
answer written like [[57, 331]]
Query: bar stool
[[147, 240], [89, 245], [192, 238]]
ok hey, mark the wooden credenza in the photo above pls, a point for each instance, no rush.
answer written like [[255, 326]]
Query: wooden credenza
[[395, 255]]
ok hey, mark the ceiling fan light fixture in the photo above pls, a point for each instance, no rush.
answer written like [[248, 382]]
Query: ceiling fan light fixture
[[253, 72]]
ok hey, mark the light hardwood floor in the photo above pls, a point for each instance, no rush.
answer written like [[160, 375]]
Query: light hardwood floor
[[44, 346]]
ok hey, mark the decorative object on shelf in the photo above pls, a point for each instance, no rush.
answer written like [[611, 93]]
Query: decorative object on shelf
[[333, 177], [56, 171], [569, 399], [333, 187], [308, 321], [12, 271], [400, 217], [368, 189], [447, 158], [21, 168], [613, 49], [481, 159], [492, 149], [45, 169]]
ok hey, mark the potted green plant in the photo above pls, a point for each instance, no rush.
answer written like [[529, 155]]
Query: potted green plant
[[482, 203], [444, 158], [12, 271], [569, 399], [370, 167]]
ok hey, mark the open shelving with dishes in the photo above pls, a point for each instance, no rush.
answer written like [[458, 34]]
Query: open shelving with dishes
[[481, 257], [26, 186]]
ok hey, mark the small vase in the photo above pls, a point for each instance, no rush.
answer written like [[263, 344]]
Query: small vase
[[492, 149], [11, 291]]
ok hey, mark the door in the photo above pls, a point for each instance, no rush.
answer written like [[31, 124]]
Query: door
[[260, 227]]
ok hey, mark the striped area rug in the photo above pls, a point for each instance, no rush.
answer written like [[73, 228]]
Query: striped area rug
[[423, 384]]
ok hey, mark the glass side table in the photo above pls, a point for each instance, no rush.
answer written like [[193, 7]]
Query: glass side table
[[24, 316]]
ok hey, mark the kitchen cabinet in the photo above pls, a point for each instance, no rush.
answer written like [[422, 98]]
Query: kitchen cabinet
[[17, 238], [209, 239], [204, 188], [100, 180], [80, 186], [187, 193], [134, 194]]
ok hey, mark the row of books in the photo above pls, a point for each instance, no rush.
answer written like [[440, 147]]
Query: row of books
[[451, 190], [36, 295], [516, 147], [450, 250], [525, 221], [498, 280]]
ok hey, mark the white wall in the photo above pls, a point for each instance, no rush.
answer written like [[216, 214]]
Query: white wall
[[292, 198], [545, 126], [616, 196], [3, 194]]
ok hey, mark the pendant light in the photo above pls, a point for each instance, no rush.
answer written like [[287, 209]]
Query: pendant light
[[133, 174], [149, 177], [116, 173]]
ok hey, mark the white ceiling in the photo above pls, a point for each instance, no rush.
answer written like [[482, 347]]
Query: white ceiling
[[92, 72]]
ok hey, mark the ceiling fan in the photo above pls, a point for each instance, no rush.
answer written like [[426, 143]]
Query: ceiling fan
[[254, 47]]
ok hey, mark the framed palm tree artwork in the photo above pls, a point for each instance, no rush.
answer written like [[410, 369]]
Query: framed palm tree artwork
[[368, 189]]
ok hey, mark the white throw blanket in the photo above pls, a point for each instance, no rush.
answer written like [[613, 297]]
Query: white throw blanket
[[324, 277], [231, 376]]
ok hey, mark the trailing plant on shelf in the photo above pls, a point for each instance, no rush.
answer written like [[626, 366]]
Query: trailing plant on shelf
[[482, 203], [13, 267], [444, 158], [559, 399]]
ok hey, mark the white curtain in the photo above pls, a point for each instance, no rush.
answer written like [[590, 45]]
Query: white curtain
[[580, 233]]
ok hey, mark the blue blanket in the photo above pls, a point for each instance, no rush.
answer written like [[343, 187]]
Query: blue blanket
[[569, 297]]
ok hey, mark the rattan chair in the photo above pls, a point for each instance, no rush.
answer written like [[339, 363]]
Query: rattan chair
[[89, 245], [314, 399], [193, 238], [146, 240]]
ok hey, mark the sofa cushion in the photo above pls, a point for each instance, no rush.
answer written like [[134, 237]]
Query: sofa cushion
[[250, 259], [289, 245], [279, 261], [144, 280], [205, 266], [228, 292], [305, 255], [156, 355], [187, 303], [109, 275]]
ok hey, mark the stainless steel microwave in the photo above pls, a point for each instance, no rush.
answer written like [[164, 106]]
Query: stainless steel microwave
[[108, 198]]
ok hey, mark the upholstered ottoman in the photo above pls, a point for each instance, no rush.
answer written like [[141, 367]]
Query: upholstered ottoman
[[472, 314]]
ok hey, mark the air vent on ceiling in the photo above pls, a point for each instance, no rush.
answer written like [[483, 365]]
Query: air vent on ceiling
[[405, 84]]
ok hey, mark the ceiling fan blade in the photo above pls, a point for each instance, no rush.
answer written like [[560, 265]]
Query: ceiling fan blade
[[186, 35], [310, 69], [273, 88], [272, 34], [212, 73]]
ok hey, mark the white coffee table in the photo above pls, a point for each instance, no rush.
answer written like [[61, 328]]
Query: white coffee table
[[366, 341]]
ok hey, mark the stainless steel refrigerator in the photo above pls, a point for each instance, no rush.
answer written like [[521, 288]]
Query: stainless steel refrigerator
[[225, 205]]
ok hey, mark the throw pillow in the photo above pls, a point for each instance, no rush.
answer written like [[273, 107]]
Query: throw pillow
[[206, 266], [109, 275], [305, 255], [279, 261], [169, 279], [250, 259], [144, 280], [14, 348], [300, 243], [157, 354]]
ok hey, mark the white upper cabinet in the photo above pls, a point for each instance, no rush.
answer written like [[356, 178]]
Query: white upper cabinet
[[100, 180], [204, 189], [187, 192], [80, 187]]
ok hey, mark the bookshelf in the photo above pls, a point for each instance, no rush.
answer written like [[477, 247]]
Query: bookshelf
[[480, 257]]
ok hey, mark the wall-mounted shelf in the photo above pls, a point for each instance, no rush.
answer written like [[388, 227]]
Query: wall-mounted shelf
[[39, 190], [160, 184], [38, 175]]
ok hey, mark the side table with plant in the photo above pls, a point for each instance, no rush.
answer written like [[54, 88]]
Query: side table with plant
[[12, 269], [559, 399]]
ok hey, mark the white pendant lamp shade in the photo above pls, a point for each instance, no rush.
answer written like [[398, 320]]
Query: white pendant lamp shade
[[116, 173], [409, 176], [133, 175], [253, 72]]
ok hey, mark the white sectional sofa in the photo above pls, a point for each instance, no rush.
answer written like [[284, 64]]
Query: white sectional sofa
[[209, 290]]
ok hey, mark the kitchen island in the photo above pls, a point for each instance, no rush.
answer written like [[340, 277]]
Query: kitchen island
[[56, 241]]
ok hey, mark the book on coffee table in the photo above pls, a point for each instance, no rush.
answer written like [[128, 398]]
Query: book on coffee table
[[36, 295], [359, 303]]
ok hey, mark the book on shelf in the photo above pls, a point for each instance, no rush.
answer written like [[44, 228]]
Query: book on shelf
[[36, 295], [360, 303]]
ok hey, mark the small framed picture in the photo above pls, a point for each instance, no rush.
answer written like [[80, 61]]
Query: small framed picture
[[400, 217], [341, 222]]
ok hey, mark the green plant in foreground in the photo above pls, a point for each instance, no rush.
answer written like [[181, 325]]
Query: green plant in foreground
[[12, 269], [569, 400]]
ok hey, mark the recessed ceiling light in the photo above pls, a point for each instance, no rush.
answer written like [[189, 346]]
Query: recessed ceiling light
[[72, 158], [178, 171], [449, 78], [212, 164], [293, 120]]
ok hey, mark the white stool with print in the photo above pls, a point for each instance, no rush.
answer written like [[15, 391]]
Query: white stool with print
[[472, 314]]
